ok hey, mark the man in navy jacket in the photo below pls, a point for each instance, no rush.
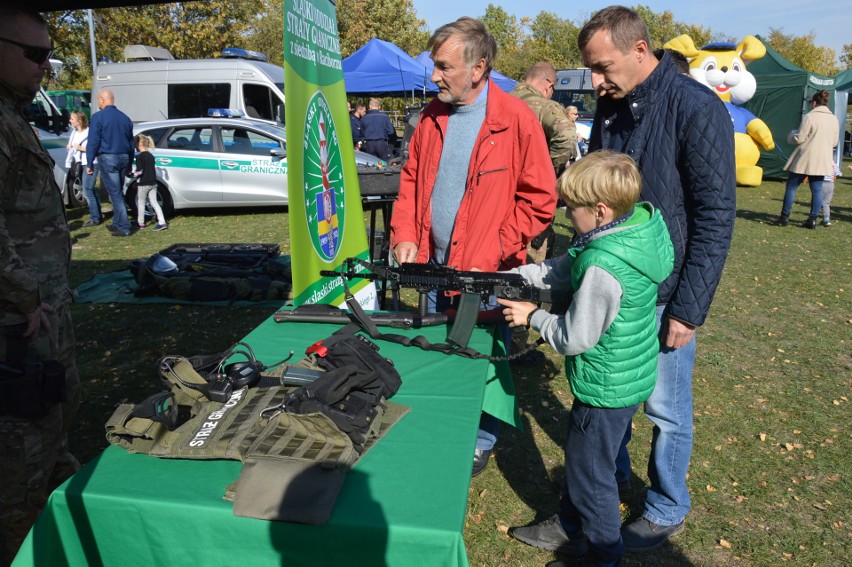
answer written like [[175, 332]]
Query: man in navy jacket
[[680, 135], [111, 142]]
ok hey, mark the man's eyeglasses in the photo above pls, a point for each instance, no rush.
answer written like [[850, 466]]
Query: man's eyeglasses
[[34, 53]]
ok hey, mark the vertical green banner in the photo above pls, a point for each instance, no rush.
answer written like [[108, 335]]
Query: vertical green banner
[[326, 218]]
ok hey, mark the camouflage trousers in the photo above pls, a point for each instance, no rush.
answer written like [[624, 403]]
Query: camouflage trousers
[[34, 455]]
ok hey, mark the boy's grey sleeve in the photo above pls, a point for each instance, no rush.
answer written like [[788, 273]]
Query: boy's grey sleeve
[[550, 274], [592, 311]]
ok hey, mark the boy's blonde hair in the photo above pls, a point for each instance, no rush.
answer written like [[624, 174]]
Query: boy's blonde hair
[[602, 176]]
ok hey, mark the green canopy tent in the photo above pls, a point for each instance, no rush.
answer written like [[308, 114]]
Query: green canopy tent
[[781, 99]]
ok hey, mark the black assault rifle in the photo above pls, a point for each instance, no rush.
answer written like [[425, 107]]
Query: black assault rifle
[[428, 277], [474, 287]]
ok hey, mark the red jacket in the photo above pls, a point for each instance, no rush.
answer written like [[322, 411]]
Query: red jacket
[[510, 195]]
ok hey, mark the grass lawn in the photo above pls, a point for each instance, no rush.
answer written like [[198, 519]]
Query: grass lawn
[[770, 468]]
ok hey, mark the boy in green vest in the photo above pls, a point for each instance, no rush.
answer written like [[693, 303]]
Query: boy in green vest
[[620, 253]]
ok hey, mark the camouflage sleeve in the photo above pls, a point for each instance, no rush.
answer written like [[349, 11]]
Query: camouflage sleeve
[[562, 134], [17, 285]]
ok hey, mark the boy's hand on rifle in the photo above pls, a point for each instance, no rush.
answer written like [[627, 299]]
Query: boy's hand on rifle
[[517, 312]]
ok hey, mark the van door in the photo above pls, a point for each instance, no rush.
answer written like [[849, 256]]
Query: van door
[[188, 163], [249, 172]]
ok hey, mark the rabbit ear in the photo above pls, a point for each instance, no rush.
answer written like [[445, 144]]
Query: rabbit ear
[[684, 44], [751, 48]]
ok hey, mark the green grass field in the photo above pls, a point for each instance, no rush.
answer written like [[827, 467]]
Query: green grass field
[[770, 469]]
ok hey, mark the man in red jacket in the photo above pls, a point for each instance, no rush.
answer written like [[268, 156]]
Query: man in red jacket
[[478, 184]]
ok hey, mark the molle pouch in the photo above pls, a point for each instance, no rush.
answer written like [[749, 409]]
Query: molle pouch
[[31, 393], [341, 350]]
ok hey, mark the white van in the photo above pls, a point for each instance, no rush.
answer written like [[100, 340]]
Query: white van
[[151, 85]]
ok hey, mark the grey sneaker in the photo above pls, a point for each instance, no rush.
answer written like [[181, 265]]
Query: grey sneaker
[[644, 535], [825, 222], [160, 227], [550, 535]]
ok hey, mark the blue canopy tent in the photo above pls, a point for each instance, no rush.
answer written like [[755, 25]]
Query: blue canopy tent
[[499, 79], [380, 67]]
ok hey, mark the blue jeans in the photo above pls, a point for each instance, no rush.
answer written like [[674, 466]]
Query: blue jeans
[[670, 410], [91, 196], [591, 497], [793, 182], [113, 167]]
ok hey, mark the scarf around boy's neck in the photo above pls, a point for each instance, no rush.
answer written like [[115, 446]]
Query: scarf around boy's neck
[[583, 239]]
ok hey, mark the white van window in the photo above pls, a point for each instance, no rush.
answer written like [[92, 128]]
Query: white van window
[[192, 101], [242, 141], [260, 101], [191, 139]]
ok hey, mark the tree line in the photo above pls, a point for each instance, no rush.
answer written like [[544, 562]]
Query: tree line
[[201, 29]]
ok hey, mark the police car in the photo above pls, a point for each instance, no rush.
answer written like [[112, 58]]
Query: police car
[[219, 161]]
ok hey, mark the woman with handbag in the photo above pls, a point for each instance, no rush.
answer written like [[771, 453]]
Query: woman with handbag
[[76, 163]]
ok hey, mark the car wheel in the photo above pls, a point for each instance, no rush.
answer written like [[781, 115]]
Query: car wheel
[[164, 199], [73, 191]]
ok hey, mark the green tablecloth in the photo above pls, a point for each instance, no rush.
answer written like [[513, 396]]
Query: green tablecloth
[[404, 502]]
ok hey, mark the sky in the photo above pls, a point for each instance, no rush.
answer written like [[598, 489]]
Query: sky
[[829, 20]]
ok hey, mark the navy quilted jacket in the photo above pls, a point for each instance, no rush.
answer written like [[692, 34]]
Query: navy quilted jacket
[[680, 135]]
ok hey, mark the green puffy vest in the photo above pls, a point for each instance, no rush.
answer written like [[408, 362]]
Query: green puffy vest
[[621, 370]]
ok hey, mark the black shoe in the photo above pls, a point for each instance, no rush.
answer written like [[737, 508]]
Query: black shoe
[[643, 535], [117, 233], [810, 223], [782, 220], [550, 535], [112, 228], [480, 461], [91, 223]]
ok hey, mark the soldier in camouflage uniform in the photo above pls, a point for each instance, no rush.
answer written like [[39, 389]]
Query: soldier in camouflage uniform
[[560, 132], [35, 253]]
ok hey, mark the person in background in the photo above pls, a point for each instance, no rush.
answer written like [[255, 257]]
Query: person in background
[[620, 254], [573, 114], [815, 139], [146, 186], [356, 125], [678, 58], [111, 143], [828, 193], [379, 135], [478, 184], [38, 375], [77, 145], [535, 90]]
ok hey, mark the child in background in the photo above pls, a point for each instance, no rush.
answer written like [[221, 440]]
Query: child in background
[[621, 253], [146, 187], [828, 193]]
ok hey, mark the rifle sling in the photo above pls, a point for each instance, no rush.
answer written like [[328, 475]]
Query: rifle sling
[[364, 322]]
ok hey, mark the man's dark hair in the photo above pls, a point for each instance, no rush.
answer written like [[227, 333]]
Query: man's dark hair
[[624, 26], [478, 43], [15, 10]]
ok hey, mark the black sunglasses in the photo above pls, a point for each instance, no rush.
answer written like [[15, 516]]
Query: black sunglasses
[[37, 55]]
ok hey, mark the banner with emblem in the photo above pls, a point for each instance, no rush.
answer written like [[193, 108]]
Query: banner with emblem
[[326, 218]]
